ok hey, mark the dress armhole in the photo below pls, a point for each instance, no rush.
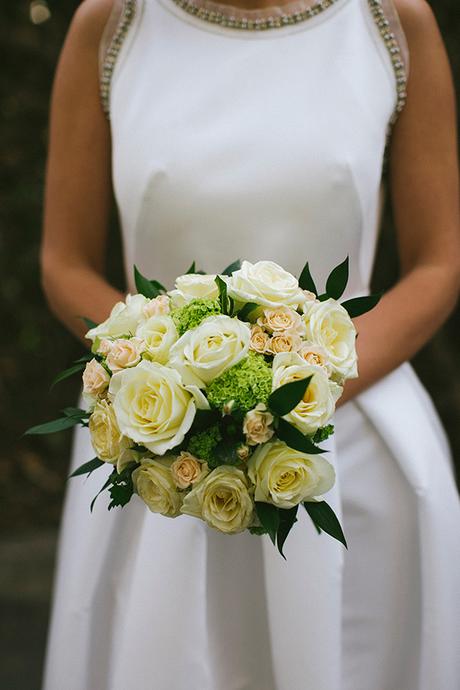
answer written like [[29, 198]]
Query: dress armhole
[[118, 23], [386, 19]]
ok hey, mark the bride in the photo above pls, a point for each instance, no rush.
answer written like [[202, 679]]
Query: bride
[[259, 131]]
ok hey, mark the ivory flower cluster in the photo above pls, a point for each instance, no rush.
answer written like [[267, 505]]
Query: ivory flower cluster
[[206, 400]]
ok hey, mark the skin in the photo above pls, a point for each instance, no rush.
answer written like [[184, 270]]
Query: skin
[[424, 187]]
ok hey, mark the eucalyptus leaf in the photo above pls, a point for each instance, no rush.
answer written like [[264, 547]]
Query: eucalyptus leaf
[[223, 300], [285, 398], [338, 279], [52, 427], [88, 322], [287, 520], [306, 281], [245, 310], [106, 484], [269, 517], [146, 287], [87, 467], [68, 372], [234, 266], [294, 438], [76, 412], [360, 305], [325, 519]]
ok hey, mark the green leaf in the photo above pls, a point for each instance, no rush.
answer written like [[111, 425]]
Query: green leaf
[[52, 427], [87, 467], [121, 490], [338, 279], [192, 269], [287, 520], [306, 281], [106, 484], [325, 519], [225, 453], [67, 373], [76, 412], [257, 529], [244, 312], [204, 419], [294, 438], [360, 305], [234, 266], [86, 358], [269, 517], [89, 324], [146, 287], [285, 398], [222, 285]]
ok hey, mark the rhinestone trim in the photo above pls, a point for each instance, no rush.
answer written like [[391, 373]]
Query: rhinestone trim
[[394, 50], [127, 16], [273, 21]]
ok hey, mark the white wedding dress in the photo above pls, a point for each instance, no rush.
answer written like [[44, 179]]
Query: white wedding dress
[[234, 139]]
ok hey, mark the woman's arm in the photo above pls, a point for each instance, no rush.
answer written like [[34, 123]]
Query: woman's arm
[[424, 189], [78, 180]]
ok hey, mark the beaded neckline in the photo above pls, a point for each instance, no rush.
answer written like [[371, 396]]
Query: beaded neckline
[[259, 18]]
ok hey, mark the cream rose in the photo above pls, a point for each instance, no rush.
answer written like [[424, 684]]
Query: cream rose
[[159, 333], [158, 306], [124, 353], [280, 320], [256, 425], [266, 284], [194, 286], [187, 470], [318, 404], [127, 457], [259, 339], [107, 439], [153, 482], [95, 379], [205, 352], [313, 354], [222, 500], [123, 320], [284, 342], [152, 405], [330, 326], [285, 477]]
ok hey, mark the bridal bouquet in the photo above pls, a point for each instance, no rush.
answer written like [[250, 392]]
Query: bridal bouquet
[[211, 399]]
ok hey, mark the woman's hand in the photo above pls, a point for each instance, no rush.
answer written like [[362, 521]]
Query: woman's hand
[[78, 180], [425, 195]]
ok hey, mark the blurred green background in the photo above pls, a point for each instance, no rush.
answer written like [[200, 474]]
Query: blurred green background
[[33, 470]]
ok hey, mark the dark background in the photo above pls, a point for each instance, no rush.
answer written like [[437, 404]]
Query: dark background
[[35, 347]]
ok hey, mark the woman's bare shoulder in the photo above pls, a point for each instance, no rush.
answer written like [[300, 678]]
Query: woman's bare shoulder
[[417, 18], [90, 19]]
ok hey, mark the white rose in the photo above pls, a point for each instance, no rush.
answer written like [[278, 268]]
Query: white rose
[[330, 326], [152, 405], [106, 438], [266, 284], [222, 500], [154, 483], [123, 320], [286, 477], [194, 286], [205, 352], [159, 333], [318, 404], [124, 353], [95, 380]]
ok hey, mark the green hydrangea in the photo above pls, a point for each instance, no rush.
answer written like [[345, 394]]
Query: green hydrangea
[[202, 444], [192, 314], [247, 383]]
